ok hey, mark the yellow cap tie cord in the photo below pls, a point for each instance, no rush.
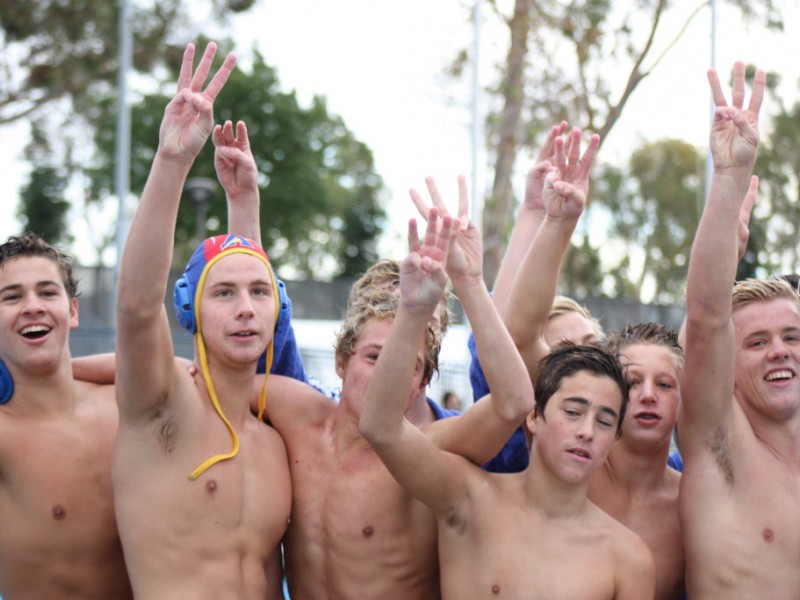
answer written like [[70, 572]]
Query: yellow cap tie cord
[[204, 360]]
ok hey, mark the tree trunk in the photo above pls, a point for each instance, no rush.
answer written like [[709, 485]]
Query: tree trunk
[[498, 208]]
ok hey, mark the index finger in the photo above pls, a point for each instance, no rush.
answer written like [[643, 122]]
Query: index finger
[[185, 76], [436, 197], [716, 88]]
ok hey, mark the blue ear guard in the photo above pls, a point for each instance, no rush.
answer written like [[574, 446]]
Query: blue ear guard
[[6, 384], [183, 301]]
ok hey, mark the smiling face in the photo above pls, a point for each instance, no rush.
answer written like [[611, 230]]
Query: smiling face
[[768, 358], [653, 373], [37, 313], [237, 308], [574, 434]]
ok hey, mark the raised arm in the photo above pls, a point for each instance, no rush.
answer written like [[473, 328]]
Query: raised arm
[[530, 216], [566, 187], [419, 466], [238, 176], [145, 357], [707, 379]]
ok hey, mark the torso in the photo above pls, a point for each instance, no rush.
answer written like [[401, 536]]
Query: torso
[[58, 535], [217, 536], [354, 532], [505, 548], [653, 515], [742, 536]]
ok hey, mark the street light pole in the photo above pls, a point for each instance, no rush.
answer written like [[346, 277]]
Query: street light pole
[[200, 191]]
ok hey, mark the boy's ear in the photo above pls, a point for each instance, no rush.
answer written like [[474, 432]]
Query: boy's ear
[[340, 364], [530, 421], [73, 313]]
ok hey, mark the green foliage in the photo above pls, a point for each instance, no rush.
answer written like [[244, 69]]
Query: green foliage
[[320, 210], [655, 210], [44, 209], [776, 220]]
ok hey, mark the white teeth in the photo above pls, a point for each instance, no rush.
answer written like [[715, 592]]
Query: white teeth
[[779, 375], [34, 329]]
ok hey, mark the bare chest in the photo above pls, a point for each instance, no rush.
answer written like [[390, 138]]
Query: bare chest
[[353, 528]]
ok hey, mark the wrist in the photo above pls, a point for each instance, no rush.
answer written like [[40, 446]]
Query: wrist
[[465, 284]]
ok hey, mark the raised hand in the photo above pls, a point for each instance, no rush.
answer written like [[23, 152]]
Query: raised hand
[[534, 185], [734, 131], [567, 182], [422, 275], [189, 117], [233, 160], [465, 258]]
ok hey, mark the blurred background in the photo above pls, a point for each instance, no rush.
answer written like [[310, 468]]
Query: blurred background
[[351, 103]]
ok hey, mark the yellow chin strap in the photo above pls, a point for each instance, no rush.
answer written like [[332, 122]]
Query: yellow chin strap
[[201, 350]]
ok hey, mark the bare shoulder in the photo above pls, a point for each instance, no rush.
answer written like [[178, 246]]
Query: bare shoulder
[[293, 403]]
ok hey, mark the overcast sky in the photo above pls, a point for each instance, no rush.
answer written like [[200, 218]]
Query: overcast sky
[[381, 65]]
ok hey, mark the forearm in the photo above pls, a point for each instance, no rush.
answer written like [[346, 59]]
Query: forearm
[[147, 258], [522, 235], [388, 391], [243, 214], [536, 284], [713, 262], [97, 368], [505, 371]]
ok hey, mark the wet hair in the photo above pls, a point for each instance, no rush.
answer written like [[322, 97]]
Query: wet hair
[[563, 305], [750, 291], [30, 244], [385, 275], [654, 334], [381, 303], [569, 359]]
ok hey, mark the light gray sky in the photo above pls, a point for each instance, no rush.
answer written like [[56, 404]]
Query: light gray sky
[[381, 65]]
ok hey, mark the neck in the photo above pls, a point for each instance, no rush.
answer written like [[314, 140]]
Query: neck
[[637, 467], [234, 387], [551, 495], [48, 388]]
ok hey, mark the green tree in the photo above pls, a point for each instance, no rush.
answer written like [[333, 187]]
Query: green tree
[[778, 205], [44, 210], [320, 209], [655, 210]]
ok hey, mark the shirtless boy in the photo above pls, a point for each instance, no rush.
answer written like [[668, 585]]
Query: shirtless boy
[[740, 418], [196, 520], [635, 485], [520, 535], [355, 533], [58, 537]]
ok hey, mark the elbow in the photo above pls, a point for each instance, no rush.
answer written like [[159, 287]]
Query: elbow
[[517, 407]]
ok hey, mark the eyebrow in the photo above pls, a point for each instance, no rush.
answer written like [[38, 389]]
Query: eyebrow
[[264, 282], [585, 402], [18, 286], [765, 332]]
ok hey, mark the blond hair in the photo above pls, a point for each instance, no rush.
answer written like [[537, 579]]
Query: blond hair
[[563, 305], [750, 291], [385, 275], [381, 304]]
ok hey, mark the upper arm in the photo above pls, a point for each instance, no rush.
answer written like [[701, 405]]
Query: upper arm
[[636, 571], [146, 365], [707, 383], [437, 478]]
